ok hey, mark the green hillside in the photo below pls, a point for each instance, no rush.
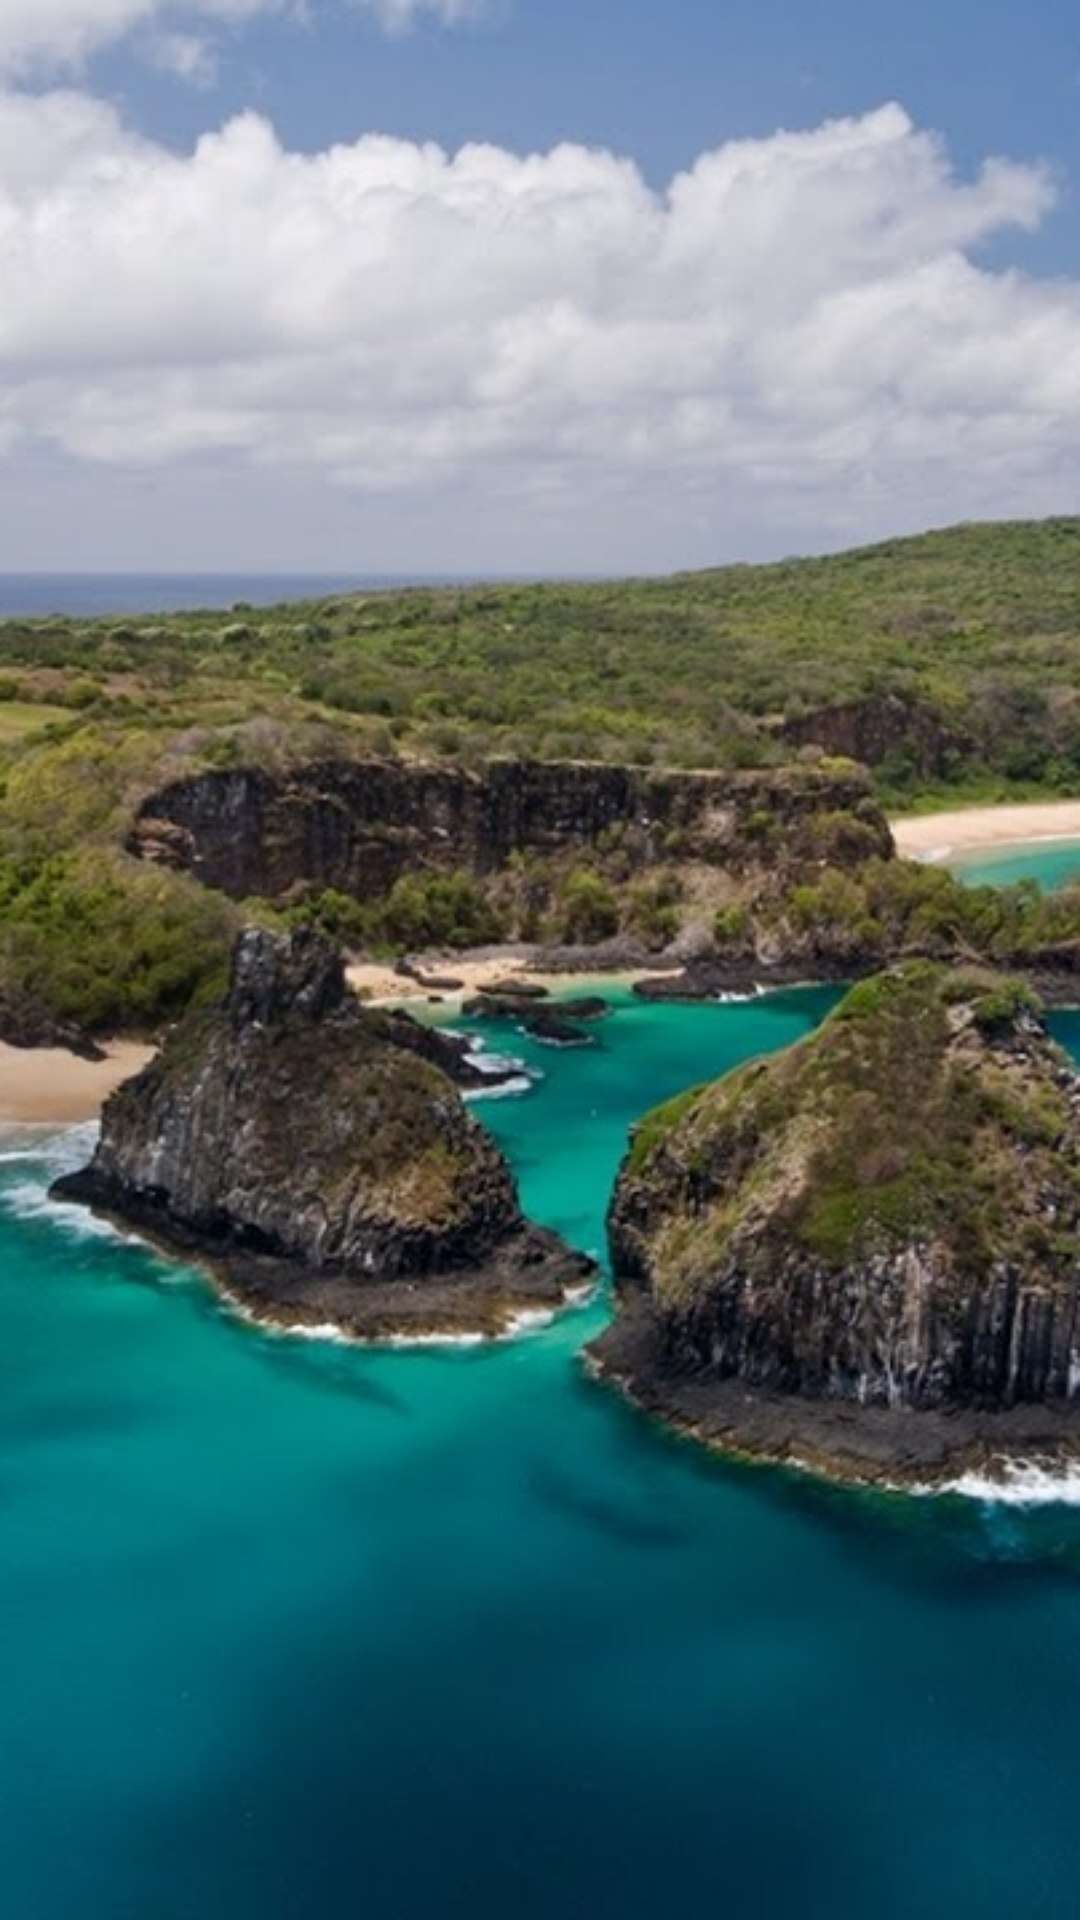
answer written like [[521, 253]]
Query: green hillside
[[949, 663], [970, 637]]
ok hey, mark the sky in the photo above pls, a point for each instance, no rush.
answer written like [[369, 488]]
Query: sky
[[525, 286]]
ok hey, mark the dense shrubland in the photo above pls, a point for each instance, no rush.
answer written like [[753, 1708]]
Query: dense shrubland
[[974, 634], [977, 627]]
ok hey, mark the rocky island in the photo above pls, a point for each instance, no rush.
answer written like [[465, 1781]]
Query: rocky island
[[863, 1254], [319, 1158]]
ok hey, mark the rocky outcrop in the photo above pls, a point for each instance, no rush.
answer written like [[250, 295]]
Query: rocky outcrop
[[864, 1252], [319, 1158], [26, 1022], [882, 727], [358, 826]]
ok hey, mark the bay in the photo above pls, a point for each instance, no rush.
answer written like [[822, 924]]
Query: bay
[[292, 1629]]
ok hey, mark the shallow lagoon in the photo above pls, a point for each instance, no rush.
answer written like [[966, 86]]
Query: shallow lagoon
[[1050, 863], [292, 1629]]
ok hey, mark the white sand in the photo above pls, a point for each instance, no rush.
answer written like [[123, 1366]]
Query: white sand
[[43, 1085], [377, 983], [936, 836]]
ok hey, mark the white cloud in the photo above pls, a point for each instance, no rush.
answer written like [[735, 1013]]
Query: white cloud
[[800, 324], [58, 33], [55, 34], [398, 16], [188, 56]]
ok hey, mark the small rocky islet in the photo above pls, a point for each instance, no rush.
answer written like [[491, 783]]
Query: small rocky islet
[[863, 1254], [318, 1157]]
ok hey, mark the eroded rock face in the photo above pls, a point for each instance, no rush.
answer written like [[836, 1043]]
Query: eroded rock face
[[865, 1250], [357, 826], [880, 726], [317, 1152]]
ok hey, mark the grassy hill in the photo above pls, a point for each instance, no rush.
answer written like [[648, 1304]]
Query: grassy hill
[[950, 663], [948, 660]]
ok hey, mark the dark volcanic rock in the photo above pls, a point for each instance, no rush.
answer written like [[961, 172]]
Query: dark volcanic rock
[[25, 1022], [554, 1024], [864, 1252], [555, 1031], [357, 826], [872, 729], [513, 990], [314, 1153]]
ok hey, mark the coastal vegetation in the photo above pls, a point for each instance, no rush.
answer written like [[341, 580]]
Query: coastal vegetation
[[950, 663]]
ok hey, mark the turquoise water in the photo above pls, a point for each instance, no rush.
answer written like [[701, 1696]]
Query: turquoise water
[[1051, 864], [289, 1629]]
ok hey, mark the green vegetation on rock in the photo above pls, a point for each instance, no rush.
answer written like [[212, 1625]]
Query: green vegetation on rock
[[948, 660], [908, 1115], [951, 663]]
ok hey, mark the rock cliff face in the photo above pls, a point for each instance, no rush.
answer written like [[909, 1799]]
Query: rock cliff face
[[881, 727], [311, 1152], [358, 826], [865, 1251]]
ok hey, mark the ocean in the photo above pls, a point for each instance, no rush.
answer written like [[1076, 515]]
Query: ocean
[[293, 1629], [89, 594]]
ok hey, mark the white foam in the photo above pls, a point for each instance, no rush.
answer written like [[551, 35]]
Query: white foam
[[1018, 1483], [50, 1156], [933, 856], [503, 1090], [739, 999], [400, 1342], [33, 1202], [528, 1320]]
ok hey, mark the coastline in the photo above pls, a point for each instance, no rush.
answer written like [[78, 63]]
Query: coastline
[[888, 1450], [47, 1086], [377, 983], [935, 837]]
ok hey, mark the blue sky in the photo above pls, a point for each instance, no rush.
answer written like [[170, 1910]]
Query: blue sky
[[660, 82], [571, 397]]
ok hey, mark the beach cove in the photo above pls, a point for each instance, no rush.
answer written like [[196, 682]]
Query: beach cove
[[229, 1555], [597, 1627]]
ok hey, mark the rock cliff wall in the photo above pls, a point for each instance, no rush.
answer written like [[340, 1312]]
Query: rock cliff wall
[[319, 1155], [885, 1219], [357, 826]]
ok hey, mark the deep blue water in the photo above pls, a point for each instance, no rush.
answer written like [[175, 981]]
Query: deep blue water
[[103, 593], [289, 1629]]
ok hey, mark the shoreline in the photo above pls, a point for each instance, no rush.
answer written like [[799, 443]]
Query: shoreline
[[937, 837], [47, 1086], [878, 1449], [378, 984]]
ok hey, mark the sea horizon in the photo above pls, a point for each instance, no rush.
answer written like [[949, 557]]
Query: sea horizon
[[102, 592]]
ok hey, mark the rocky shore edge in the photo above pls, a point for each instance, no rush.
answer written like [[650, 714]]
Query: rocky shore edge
[[532, 1273], [881, 1447]]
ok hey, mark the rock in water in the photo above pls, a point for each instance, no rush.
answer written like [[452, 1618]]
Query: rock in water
[[314, 1153], [864, 1252]]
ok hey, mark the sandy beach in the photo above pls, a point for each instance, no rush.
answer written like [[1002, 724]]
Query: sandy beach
[[43, 1085], [378, 984], [936, 836]]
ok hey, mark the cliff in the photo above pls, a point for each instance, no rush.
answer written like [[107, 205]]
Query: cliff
[[322, 1162], [864, 1252], [357, 826]]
